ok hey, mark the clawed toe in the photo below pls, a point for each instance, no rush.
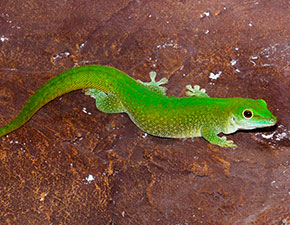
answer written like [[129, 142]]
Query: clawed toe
[[152, 75]]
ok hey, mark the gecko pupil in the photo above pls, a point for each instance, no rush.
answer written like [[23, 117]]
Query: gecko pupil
[[247, 114]]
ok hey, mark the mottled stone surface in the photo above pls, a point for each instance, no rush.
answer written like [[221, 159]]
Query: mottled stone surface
[[72, 164]]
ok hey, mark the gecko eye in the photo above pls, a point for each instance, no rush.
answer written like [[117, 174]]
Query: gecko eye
[[247, 114]]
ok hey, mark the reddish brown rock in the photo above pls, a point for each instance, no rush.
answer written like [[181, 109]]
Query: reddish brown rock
[[68, 166]]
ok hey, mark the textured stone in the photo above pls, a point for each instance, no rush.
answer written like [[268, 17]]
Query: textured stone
[[71, 164]]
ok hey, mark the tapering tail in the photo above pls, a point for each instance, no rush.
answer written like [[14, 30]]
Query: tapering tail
[[99, 77]]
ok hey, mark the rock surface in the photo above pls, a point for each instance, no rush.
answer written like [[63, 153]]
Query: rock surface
[[72, 164]]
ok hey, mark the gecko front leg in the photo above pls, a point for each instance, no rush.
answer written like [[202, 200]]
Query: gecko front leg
[[208, 134]]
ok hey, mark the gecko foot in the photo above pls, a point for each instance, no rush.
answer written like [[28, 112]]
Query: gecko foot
[[153, 74], [195, 91], [155, 85], [227, 143]]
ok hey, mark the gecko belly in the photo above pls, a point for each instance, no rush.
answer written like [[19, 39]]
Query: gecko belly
[[162, 128]]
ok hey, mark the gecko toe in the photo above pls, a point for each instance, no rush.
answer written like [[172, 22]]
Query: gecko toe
[[162, 81], [152, 75], [196, 87]]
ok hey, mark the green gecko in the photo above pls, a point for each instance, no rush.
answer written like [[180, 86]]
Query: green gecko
[[147, 105]]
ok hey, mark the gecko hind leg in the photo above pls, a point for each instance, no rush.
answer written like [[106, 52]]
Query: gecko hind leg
[[107, 103], [195, 91], [155, 85]]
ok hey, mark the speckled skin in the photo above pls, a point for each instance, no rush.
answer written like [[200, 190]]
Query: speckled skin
[[148, 106]]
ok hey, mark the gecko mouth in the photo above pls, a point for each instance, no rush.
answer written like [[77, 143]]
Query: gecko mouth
[[254, 125]]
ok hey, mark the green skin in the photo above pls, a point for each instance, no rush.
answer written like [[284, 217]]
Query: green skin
[[149, 108]]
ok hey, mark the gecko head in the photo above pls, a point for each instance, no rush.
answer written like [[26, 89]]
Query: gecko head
[[250, 114]]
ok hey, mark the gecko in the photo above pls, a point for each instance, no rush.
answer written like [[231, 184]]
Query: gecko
[[148, 106]]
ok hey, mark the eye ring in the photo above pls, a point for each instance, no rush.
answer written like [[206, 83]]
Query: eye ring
[[247, 114]]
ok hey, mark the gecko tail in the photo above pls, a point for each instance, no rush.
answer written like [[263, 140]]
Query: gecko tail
[[99, 77]]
